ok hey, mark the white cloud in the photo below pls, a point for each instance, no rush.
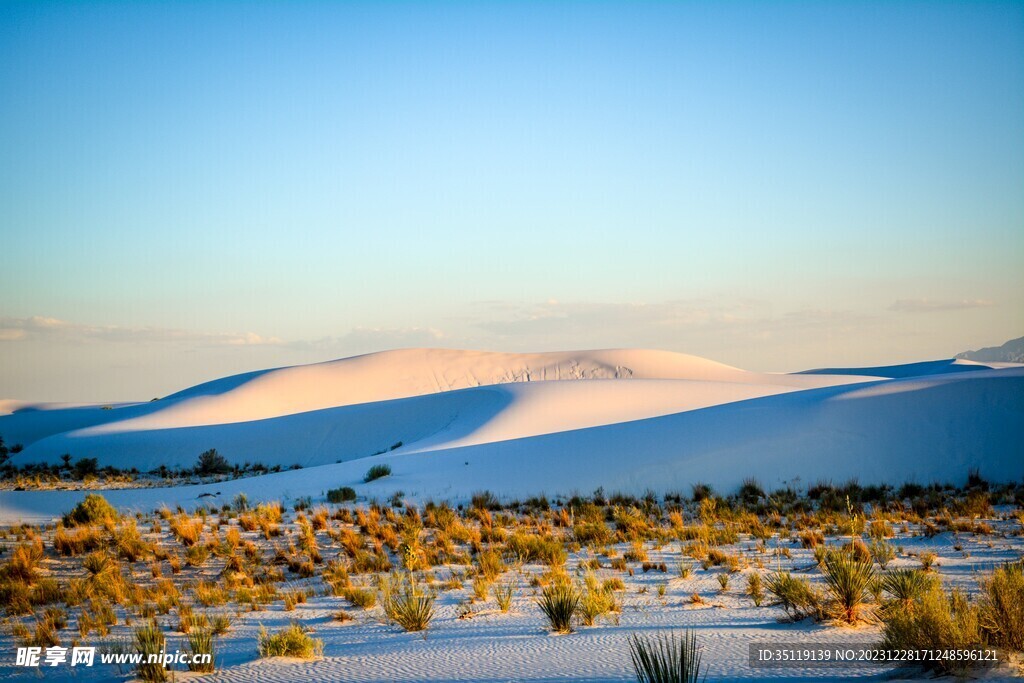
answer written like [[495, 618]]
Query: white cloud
[[931, 305], [40, 328]]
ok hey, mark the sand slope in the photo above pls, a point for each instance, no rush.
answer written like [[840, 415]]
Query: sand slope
[[421, 398], [560, 437]]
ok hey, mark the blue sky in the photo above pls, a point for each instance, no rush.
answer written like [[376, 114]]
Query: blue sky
[[192, 189]]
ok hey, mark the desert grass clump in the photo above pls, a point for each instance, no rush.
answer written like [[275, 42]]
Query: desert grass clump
[[377, 472], [847, 579], [536, 548], [200, 646], [882, 552], [936, 621], [796, 596], [666, 659], [76, 542], [360, 597], [755, 588], [292, 641], [23, 565], [503, 595], [1001, 607], [596, 602], [187, 530], [559, 602], [927, 559], [93, 510], [149, 642]]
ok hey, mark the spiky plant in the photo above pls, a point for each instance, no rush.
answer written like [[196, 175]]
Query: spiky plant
[[410, 607], [200, 645], [847, 579], [149, 642], [559, 602], [666, 659], [906, 586]]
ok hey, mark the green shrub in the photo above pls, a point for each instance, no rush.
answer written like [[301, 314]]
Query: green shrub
[[293, 641], [377, 472], [93, 510], [212, 462], [343, 495], [559, 602], [666, 659], [847, 579]]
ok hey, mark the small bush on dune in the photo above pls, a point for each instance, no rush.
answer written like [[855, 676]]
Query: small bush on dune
[[882, 552], [377, 472], [666, 659], [93, 510], [559, 602], [212, 462], [343, 495], [755, 589], [292, 641], [360, 597]]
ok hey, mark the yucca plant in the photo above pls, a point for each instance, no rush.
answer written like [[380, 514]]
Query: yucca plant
[[666, 659], [149, 642], [847, 579], [410, 607], [906, 586], [559, 602], [200, 644]]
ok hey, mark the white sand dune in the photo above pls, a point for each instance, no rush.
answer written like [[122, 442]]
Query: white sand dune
[[423, 398], [560, 437]]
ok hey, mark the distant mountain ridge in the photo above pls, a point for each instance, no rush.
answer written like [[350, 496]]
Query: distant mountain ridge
[[1010, 352]]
